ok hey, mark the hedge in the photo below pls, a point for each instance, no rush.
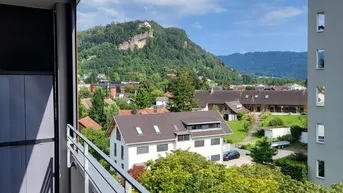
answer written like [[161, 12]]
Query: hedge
[[297, 170]]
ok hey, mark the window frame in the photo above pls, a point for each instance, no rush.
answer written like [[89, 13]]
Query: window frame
[[215, 157], [163, 147], [122, 152], [115, 150], [183, 138], [213, 141], [317, 59], [317, 133], [202, 143], [140, 148], [318, 171], [321, 13], [118, 135], [317, 97]]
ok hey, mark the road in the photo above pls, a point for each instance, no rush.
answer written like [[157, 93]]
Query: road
[[246, 159]]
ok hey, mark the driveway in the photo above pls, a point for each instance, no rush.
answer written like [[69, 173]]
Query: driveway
[[246, 159]]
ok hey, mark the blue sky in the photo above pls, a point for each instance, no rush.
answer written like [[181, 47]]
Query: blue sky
[[220, 26]]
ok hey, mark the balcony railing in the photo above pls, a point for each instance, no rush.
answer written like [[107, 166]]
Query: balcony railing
[[96, 177]]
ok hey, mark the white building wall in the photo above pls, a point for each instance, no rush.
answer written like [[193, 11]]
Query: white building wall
[[117, 158], [161, 103], [135, 158], [330, 115], [304, 137]]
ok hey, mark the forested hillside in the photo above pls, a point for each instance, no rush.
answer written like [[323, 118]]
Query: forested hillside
[[163, 52], [277, 64]]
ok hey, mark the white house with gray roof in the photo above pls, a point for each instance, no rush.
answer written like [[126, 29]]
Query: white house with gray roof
[[138, 138]]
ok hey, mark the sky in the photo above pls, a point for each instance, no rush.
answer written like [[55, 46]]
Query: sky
[[221, 27]]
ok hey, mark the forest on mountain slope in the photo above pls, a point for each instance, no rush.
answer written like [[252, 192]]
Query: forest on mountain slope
[[164, 53], [277, 64]]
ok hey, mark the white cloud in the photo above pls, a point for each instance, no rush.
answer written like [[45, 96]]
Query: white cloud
[[243, 52], [85, 20], [276, 16], [184, 7], [99, 2], [197, 25]]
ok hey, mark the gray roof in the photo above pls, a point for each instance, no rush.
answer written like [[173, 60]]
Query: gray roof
[[162, 99], [165, 122], [296, 98], [233, 106]]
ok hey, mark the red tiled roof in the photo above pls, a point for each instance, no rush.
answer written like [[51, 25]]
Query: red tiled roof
[[87, 103], [171, 75], [168, 94], [109, 101], [87, 122]]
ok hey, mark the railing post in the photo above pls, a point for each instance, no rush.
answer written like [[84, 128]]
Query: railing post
[[86, 168], [68, 150], [128, 187]]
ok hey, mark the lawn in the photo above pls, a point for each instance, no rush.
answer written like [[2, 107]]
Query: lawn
[[288, 120], [238, 133]]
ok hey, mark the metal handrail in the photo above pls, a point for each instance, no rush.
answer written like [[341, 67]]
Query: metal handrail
[[129, 180]]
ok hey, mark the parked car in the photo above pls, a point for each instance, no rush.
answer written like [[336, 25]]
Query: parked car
[[231, 155]]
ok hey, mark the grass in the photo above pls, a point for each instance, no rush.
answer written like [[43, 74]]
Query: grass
[[288, 120], [238, 133]]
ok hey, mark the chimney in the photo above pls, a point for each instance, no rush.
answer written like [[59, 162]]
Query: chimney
[[113, 92], [92, 88]]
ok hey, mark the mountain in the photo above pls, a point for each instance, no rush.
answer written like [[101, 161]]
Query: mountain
[[277, 64], [136, 49]]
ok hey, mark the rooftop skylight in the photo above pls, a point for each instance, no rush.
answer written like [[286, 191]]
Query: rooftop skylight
[[157, 129], [139, 130]]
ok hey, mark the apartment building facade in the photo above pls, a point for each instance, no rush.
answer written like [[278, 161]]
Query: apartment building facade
[[325, 69], [138, 138]]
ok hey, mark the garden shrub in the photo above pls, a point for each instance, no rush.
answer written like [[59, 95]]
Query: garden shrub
[[260, 133], [296, 133], [240, 115], [285, 138], [276, 121], [297, 170]]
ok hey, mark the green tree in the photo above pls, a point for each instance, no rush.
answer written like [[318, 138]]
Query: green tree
[[84, 92], [96, 112], [143, 99], [246, 126], [250, 88], [82, 109], [263, 152], [183, 91], [116, 76], [110, 111], [156, 93], [93, 78], [129, 89], [123, 105], [215, 108], [276, 121]]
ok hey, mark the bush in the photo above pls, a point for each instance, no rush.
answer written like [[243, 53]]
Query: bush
[[276, 121], [260, 133], [300, 157], [296, 133], [246, 126], [285, 138], [297, 170], [252, 117], [266, 115], [247, 146], [240, 115]]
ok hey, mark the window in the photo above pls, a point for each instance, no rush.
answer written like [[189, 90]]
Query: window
[[122, 152], [122, 166], [320, 22], [320, 169], [215, 157], [200, 143], [175, 128], [115, 150], [246, 96], [267, 96], [162, 147], [256, 96], [320, 133], [139, 131], [320, 59], [183, 137], [320, 96], [157, 129], [143, 150], [215, 141], [118, 135]]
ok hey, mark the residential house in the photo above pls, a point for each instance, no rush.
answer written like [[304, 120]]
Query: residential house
[[162, 101], [255, 101], [143, 111], [294, 87], [88, 122], [139, 138], [87, 102], [231, 109]]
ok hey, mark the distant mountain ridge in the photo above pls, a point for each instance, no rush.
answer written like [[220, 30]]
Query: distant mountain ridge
[[275, 63]]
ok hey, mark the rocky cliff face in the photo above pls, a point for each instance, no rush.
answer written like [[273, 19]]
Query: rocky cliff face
[[139, 40]]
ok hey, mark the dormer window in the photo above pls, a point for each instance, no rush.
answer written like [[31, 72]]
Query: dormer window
[[139, 131], [256, 96], [157, 129]]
